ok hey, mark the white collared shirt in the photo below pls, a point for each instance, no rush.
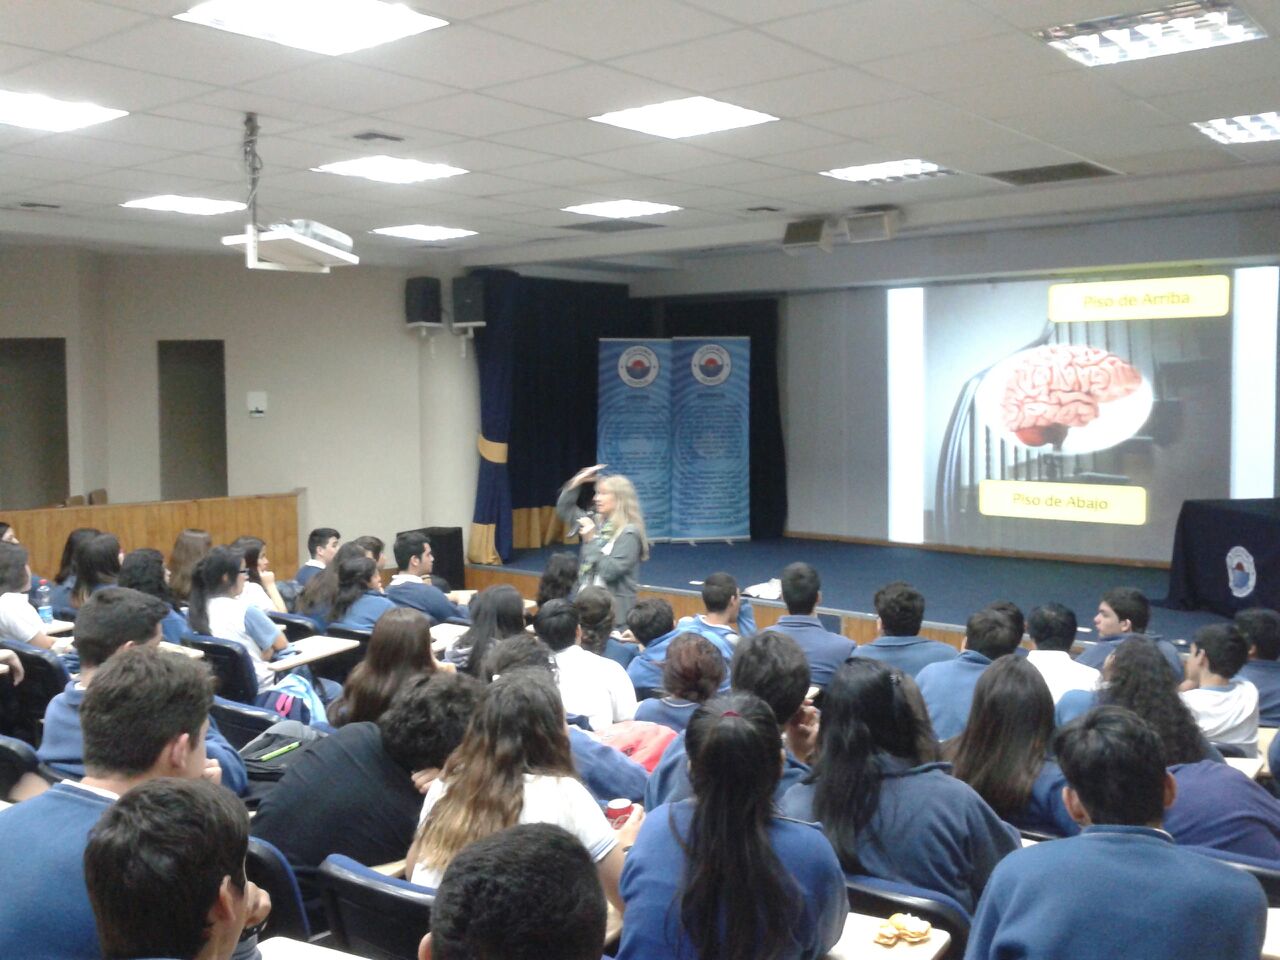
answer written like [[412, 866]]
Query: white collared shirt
[[1062, 673], [594, 687]]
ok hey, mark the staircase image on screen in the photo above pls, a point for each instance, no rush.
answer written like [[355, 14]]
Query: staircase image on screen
[[1136, 397]]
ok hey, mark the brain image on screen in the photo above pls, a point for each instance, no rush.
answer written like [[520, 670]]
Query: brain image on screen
[[1057, 387]]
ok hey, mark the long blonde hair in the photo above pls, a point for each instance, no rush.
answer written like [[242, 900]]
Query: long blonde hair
[[626, 510], [518, 728]]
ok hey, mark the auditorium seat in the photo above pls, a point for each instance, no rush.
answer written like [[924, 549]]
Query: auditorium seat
[[381, 918], [882, 898], [16, 759], [23, 704], [338, 666], [295, 625], [230, 664], [1266, 871], [266, 866], [241, 722]]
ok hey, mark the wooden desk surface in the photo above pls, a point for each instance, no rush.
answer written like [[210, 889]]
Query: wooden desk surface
[[1249, 766], [59, 626], [191, 652], [445, 635], [282, 948], [858, 942], [311, 649], [1271, 942], [1265, 736]]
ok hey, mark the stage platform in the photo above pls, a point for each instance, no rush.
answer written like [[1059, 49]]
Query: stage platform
[[954, 584]]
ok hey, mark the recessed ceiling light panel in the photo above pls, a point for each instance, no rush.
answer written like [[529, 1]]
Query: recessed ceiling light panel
[[1254, 128], [197, 206], [620, 209], [690, 117], [390, 169], [1178, 28], [330, 27], [422, 231], [888, 172], [38, 112]]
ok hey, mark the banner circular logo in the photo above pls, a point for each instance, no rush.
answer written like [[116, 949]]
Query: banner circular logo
[[711, 365], [1242, 574], [638, 366]]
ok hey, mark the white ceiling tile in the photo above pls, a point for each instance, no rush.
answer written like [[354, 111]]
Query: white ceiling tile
[[14, 190], [638, 188], [548, 218], [1221, 100], [758, 11], [356, 88], [63, 24], [1034, 14], [85, 150], [710, 64], [1122, 116], [918, 120], [656, 158], [736, 172], [562, 170], [572, 138], [9, 135], [11, 57], [817, 92], [193, 52], [602, 29], [44, 168], [707, 198], [201, 166], [556, 198], [466, 56], [1157, 76], [1210, 157], [843, 154], [163, 8], [873, 29], [274, 116], [589, 90], [1264, 153], [148, 182], [1107, 142], [1009, 58], [765, 138], [471, 115], [455, 10], [986, 157], [341, 134], [485, 155], [476, 185], [1076, 90], [166, 133], [68, 78]]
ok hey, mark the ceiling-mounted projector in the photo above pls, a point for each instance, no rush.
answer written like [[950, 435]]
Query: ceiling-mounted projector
[[296, 246]]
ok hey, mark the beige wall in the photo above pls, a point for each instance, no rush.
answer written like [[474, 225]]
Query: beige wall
[[378, 430]]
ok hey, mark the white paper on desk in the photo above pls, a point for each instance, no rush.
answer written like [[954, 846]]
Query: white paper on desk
[[770, 590]]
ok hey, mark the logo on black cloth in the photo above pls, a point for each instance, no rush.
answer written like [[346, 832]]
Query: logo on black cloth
[[1242, 575]]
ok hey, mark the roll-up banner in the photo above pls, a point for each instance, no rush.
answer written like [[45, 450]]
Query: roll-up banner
[[633, 423], [710, 449]]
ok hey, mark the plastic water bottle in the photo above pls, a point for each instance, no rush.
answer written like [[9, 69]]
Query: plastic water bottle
[[44, 603]]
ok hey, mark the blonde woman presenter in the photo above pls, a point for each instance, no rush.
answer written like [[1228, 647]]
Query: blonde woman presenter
[[613, 536]]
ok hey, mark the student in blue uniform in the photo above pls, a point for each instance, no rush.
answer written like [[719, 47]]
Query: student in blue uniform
[[321, 592], [412, 587], [888, 809], [947, 687], [825, 651], [899, 614], [1124, 612], [143, 570], [1003, 752], [722, 875], [1261, 630], [1122, 888], [322, 545], [691, 675], [360, 600]]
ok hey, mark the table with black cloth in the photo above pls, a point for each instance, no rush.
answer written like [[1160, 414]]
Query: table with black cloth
[[1199, 578]]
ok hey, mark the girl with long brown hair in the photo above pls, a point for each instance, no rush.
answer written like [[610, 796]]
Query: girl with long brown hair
[[399, 653]]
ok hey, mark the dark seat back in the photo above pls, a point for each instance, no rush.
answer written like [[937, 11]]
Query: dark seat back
[[370, 915], [23, 704], [338, 666], [1231, 749], [266, 866], [883, 898], [295, 625], [241, 722], [16, 759], [230, 664]]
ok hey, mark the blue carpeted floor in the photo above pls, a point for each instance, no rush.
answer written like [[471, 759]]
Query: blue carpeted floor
[[954, 585]]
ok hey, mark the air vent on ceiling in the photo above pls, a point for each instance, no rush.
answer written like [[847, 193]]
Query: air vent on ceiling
[[1056, 173], [613, 226], [370, 135], [37, 205], [764, 209]]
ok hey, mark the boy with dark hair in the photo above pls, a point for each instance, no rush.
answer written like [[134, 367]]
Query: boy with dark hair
[[144, 717], [112, 620], [1225, 707], [773, 667], [164, 869], [947, 686], [412, 586], [1120, 888], [591, 686], [1053, 630], [1123, 612], [18, 618], [825, 651], [322, 544], [607, 773], [1260, 628], [358, 792], [899, 614], [493, 900]]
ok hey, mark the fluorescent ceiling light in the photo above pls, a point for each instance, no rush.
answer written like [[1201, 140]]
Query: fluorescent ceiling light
[[1255, 128], [1178, 28], [887, 172], [421, 231], [198, 206], [390, 169], [689, 117], [331, 27], [620, 209], [38, 112]]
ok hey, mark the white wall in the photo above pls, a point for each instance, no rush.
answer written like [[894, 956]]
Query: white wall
[[379, 432]]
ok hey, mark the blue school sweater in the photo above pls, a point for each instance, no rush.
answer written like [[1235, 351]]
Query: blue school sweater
[[947, 688], [824, 650], [62, 746], [1218, 806], [44, 905], [427, 599], [653, 876], [669, 780], [364, 613], [1117, 891], [908, 654]]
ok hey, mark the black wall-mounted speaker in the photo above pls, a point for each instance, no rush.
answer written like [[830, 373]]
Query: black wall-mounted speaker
[[422, 303], [468, 302]]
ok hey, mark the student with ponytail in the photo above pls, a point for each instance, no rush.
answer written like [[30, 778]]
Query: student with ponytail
[[886, 810], [216, 610], [360, 601], [721, 876]]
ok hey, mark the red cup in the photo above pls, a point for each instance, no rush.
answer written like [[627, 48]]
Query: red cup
[[619, 812]]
